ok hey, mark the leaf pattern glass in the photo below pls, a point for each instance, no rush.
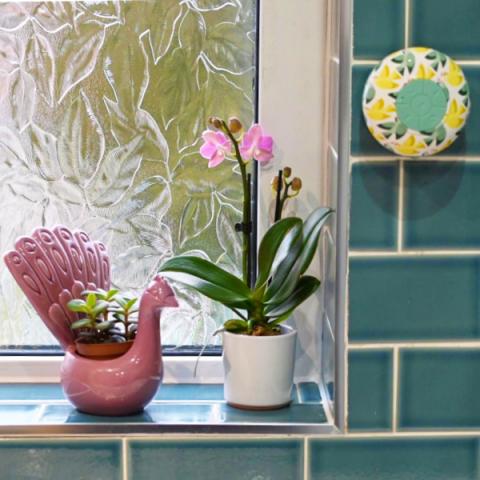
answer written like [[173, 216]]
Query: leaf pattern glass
[[102, 104]]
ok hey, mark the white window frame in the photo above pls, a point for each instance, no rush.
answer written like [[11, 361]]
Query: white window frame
[[294, 55]]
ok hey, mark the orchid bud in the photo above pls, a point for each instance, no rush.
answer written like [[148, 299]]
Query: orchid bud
[[296, 184], [275, 181], [215, 122], [234, 125], [287, 171]]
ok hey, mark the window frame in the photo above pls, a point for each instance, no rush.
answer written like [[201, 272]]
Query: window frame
[[270, 62]]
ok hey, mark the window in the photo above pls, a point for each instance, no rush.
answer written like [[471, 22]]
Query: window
[[101, 107], [102, 104]]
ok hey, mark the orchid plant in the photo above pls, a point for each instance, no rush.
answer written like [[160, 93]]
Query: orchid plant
[[285, 252], [218, 145]]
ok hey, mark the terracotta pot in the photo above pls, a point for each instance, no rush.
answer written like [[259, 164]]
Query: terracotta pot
[[259, 370], [103, 351]]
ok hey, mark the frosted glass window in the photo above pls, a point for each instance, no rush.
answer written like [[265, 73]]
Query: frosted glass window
[[101, 107]]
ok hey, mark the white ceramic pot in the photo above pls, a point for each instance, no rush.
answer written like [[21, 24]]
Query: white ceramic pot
[[259, 370]]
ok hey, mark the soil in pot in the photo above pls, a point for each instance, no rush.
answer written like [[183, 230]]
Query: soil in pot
[[103, 351]]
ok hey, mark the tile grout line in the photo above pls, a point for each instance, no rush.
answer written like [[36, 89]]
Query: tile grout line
[[412, 253], [408, 19], [400, 206], [391, 158], [306, 459], [369, 62], [432, 345], [124, 459], [395, 389]]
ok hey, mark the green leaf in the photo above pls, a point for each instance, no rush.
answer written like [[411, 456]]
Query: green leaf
[[99, 292], [102, 326], [208, 279], [400, 130], [464, 90], [387, 125], [410, 61], [111, 293], [130, 303], [311, 230], [100, 307], [432, 55], [440, 134], [91, 300], [77, 305], [306, 286], [82, 323], [370, 95], [121, 301], [398, 58], [289, 272], [236, 325], [270, 244]]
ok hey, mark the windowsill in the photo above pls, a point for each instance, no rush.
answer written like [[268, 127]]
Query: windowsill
[[39, 409]]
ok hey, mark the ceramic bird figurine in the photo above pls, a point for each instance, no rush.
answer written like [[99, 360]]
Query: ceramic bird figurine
[[54, 266]]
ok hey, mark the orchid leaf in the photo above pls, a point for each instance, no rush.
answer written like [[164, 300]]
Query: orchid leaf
[[213, 291], [297, 262], [270, 244], [208, 279], [236, 325], [208, 271], [305, 287]]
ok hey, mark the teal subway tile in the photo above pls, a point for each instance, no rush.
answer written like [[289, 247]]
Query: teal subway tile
[[399, 459], [378, 28], [53, 391], [60, 459], [216, 459], [362, 144], [374, 200], [439, 389], [442, 205], [190, 391], [370, 390], [419, 298], [214, 413], [31, 391], [449, 26]]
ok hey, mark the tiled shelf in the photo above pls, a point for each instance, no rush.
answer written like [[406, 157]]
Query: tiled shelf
[[42, 409]]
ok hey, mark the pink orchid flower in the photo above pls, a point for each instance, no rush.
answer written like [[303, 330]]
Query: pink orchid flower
[[256, 145], [216, 146]]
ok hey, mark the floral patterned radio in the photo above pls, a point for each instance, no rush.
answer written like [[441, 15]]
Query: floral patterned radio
[[416, 101]]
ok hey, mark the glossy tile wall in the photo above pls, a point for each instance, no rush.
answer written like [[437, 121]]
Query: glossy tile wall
[[414, 268]]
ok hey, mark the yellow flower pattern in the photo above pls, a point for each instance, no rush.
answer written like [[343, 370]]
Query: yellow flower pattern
[[454, 118], [399, 132], [454, 76], [387, 78], [411, 146], [380, 111], [425, 72]]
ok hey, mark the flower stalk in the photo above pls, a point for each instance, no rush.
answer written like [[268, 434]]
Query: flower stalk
[[246, 226]]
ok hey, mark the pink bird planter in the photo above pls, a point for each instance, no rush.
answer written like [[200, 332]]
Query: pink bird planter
[[54, 266]]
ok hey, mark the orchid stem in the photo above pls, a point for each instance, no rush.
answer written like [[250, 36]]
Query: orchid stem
[[247, 221]]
